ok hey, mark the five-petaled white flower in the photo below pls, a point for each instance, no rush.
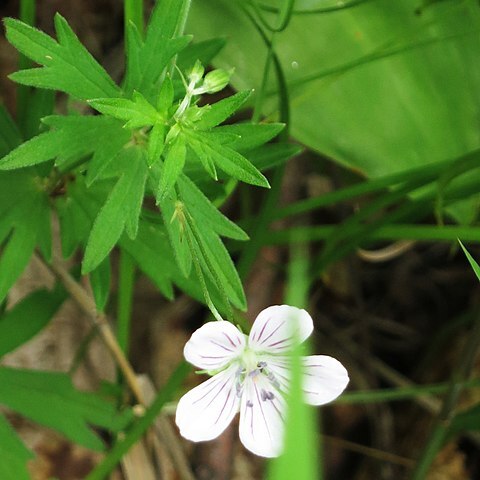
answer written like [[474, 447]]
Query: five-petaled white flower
[[251, 374]]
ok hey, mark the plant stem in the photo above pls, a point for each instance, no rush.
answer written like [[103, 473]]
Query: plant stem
[[125, 298], [134, 14], [122, 446], [87, 304]]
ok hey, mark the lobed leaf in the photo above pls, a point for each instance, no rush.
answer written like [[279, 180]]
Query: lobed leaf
[[217, 113], [137, 112], [67, 65], [120, 211], [172, 166]]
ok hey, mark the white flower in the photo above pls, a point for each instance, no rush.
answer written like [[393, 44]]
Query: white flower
[[251, 375]]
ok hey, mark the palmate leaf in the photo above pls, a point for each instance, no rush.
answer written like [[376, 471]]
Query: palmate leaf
[[14, 454], [69, 411], [73, 137], [147, 60], [121, 210], [137, 112], [67, 65]]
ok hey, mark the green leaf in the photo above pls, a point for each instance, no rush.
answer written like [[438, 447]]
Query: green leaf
[[28, 317], [149, 250], [250, 135], [228, 160], [206, 213], [216, 262], [67, 65], [13, 453], [27, 219], [471, 260], [172, 166], [203, 153], [174, 221], [466, 421], [165, 96], [100, 282], [71, 137], [156, 143], [137, 112], [120, 211], [69, 411], [147, 60], [215, 114]]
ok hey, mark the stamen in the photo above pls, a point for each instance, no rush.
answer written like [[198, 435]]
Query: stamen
[[266, 395]]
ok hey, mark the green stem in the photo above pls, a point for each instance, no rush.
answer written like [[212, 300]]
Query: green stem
[[126, 284], [134, 14], [121, 447]]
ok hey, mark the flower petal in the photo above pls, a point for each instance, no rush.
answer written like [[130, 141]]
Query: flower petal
[[325, 379], [273, 330], [206, 411], [262, 416], [214, 345]]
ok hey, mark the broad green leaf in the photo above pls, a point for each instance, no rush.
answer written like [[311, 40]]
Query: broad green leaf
[[100, 282], [206, 213], [14, 454], [10, 136], [67, 65], [28, 317], [137, 112], [120, 211], [69, 411], [363, 81], [172, 166], [217, 113]]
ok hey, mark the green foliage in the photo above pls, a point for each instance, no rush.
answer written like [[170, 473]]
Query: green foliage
[[67, 65], [69, 411], [28, 317]]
